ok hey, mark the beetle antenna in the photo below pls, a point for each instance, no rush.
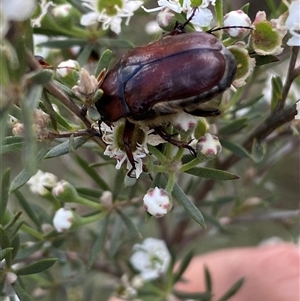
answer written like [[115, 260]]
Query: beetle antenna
[[179, 27], [190, 18], [228, 27]]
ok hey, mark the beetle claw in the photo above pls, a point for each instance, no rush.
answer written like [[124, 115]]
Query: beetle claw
[[167, 137]]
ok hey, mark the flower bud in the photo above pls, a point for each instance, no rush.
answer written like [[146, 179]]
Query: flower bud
[[266, 40], [68, 72], [106, 199], [157, 202], [237, 18], [18, 129], [184, 123], [63, 219], [209, 146], [61, 11], [86, 88], [65, 192], [166, 19], [245, 63]]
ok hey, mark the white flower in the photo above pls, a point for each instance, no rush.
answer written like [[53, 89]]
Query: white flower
[[114, 150], [109, 16], [298, 110], [151, 258], [61, 11], [202, 16], [66, 67], [14, 10], [157, 202], [293, 23], [237, 18], [209, 146], [63, 219], [40, 181], [44, 6]]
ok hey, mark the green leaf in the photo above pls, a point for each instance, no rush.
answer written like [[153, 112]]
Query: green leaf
[[15, 243], [188, 205], [5, 252], [234, 126], [132, 228], [92, 173], [237, 285], [25, 174], [104, 61], [4, 194], [4, 241], [11, 143], [28, 104], [13, 147], [26, 206], [99, 243], [259, 149], [193, 296], [22, 294], [183, 266], [276, 91], [65, 147], [63, 44], [85, 54], [211, 173], [115, 240], [5, 244], [235, 149], [36, 267], [40, 77]]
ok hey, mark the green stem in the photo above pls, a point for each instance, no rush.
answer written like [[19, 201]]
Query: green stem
[[189, 165], [171, 182], [32, 232], [219, 12], [91, 204], [92, 218], [158, 168], [158, 154], [179, 154]]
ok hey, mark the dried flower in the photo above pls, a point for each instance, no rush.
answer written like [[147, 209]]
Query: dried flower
[[41, 181]]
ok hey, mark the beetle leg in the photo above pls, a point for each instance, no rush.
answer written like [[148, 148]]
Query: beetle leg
[[204, 113], [127, 140], [160, 131]]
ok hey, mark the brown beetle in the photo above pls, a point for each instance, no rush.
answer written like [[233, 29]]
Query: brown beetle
[[176, 73]]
